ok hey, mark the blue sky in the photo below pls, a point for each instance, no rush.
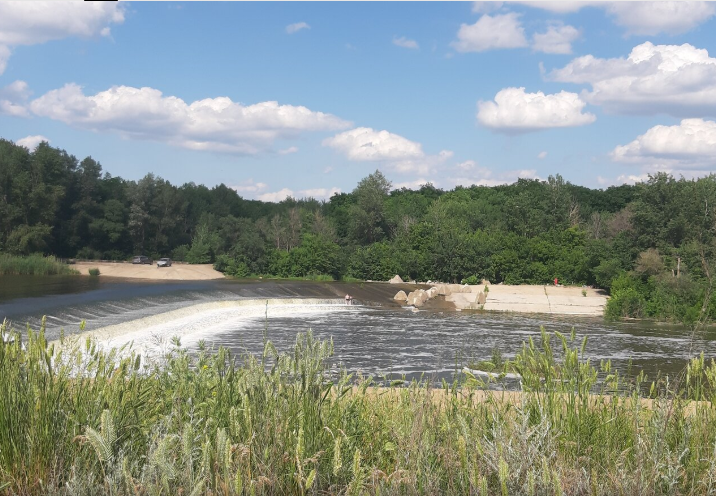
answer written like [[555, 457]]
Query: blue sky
[[305, 99]]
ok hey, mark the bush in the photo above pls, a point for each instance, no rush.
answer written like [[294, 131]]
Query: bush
[[471, 280], [93, 272], [179, 253], [32, 265]]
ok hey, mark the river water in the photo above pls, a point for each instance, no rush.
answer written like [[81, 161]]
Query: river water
[[374, 337]]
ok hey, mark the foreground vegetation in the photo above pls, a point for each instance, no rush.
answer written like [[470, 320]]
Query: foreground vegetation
[[78, 420], [36, 265]]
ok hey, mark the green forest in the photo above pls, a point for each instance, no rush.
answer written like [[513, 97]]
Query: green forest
[[651, 245]]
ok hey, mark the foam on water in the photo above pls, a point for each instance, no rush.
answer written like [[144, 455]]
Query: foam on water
[[200, 321]]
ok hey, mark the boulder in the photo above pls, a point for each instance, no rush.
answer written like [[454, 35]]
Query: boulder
[[417, 298], [481, 298], [396, 280], [400, 296], [485, 282], [432, 292], [444, 290]]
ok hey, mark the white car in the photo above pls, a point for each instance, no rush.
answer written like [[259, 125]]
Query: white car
[[164, 262]]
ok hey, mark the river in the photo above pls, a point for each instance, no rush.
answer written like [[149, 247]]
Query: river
[[374, 337]]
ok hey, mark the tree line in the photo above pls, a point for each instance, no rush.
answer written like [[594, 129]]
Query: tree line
[[649, 244]]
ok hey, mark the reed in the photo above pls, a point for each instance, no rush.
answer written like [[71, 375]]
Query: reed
[[76, 419], [35, 265]]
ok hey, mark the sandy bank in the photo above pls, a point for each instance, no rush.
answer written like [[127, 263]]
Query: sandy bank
[[177, 272], [537, 299]]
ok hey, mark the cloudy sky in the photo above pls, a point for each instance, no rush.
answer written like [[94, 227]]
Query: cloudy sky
[[305, 99]]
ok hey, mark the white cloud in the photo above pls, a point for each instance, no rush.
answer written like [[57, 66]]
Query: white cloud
[[467, 165], [622, 179], [491, 32], [317, 193], [515, 111], [277, 196], [416, 184], [214, 124], [482, 176], [4, 57], [643, 18], [32, 23], [289, 150], [31, 142], [249, 186], [296, 27], [405, 42], [560, 7], [557, 39], [542, 155], [364, 144], [688, 145], [651, 18], [676, 79], [486, 7], [13, 99], [328, 170]]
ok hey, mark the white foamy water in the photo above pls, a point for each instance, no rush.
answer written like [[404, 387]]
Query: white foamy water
[[208, 321]]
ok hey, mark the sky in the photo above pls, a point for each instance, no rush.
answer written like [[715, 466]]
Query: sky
[[300, 99]]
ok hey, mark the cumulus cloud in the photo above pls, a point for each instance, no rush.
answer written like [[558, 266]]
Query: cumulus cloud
[[651, 18], [31, 142], [296, 27], [689, 145], [32, 23], [289, 150], [249, 186], [491, 32], [482, 176], [515, 111], [467, 165], [282, 194], [622, 179], [557, 39], [643, 18], [214, 124], [416, 184], [542, 155], [276, 196], [405, 42], [676, 79], [486, 7], [13, 99], [364, 144]]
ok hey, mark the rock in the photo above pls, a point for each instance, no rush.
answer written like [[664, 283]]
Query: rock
[[432, 292], [481, 298], [400, 296], [417, 298], [444, 290], [396, 280], [485, 282]]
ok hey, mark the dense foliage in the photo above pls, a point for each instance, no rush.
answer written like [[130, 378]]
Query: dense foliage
[[531, 231], [76, 420]]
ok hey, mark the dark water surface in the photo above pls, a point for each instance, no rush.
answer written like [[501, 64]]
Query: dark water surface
[[376, 338]]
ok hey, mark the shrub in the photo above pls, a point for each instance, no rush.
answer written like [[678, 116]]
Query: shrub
[[94, 272], [32, 265]]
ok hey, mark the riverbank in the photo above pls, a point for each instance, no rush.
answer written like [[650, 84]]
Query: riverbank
[[177, 272], [554, 300]]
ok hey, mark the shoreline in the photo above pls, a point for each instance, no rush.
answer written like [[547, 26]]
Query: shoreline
[[177, 272]]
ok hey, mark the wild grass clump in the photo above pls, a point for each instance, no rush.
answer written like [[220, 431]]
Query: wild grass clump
[[79, 420], [35, 265]]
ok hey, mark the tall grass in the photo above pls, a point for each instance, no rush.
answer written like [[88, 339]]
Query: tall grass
[[75, 420], [35, 265]]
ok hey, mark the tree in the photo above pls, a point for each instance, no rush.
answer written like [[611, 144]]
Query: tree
[[367, 215]]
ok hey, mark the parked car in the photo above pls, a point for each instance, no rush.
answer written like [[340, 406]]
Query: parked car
[[164, 262], [141, 259]]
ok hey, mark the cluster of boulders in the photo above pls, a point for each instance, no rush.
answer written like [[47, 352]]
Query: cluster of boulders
[[419, 297]]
